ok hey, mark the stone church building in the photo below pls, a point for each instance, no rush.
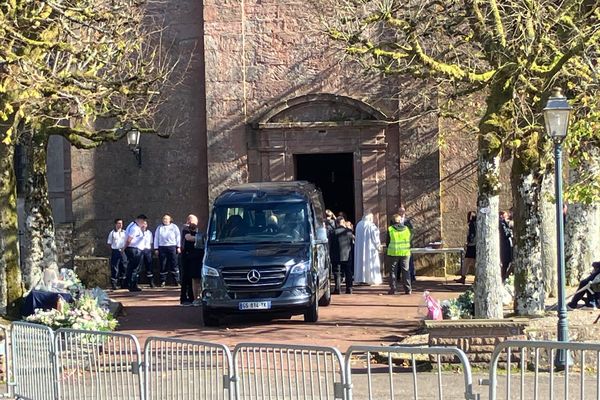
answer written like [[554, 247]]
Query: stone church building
[[267, 98]]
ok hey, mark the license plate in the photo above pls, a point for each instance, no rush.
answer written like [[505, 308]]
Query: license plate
[[255, 305]]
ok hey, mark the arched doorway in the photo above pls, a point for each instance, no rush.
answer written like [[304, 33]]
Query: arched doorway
[[337, 142]]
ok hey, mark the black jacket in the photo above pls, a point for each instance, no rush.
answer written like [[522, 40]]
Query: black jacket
[[341, 245]]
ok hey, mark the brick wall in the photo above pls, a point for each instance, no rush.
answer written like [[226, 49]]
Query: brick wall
[[477, 338], [107, 183]]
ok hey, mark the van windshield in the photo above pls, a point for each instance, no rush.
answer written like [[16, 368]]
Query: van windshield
[[260, 223]]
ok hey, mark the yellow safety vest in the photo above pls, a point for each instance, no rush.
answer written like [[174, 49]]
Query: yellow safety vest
[[399, 242]]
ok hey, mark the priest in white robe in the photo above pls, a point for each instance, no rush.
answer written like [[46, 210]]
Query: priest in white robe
[[367, 267]]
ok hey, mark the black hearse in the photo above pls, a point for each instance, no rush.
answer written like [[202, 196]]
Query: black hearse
[[266, 251]]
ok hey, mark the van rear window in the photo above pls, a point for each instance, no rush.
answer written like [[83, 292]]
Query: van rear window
[[260, 223]]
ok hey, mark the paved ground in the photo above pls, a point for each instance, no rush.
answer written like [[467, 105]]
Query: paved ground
[[369, 316]]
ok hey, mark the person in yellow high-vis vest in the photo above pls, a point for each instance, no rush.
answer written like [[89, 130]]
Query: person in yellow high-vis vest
[[398, 251]]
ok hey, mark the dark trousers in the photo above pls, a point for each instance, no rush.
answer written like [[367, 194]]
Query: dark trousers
[[147, 263], [134, 261], [118, 266], [345, 268], [400, 267], [411, 267], [168, 262], [591, 299], [187, 290]]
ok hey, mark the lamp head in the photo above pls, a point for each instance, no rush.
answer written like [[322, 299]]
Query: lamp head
[[556, 115], [133, 139]]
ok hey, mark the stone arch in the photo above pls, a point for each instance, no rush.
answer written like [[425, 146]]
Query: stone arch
[[322, 108], [325, 123]]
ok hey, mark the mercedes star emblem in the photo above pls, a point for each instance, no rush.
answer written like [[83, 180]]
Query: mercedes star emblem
[[253, 276]]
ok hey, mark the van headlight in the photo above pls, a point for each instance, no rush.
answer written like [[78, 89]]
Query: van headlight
[[209, 271], [300, 268]]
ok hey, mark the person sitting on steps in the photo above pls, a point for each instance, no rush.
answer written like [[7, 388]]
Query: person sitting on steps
[[588, 290]]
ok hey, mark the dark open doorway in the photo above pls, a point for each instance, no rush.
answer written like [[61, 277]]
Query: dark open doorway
[[333, 173]]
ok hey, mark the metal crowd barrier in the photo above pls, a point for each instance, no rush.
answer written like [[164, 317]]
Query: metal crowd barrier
[[271, 371], [538, 376], [77, 364], [32, 350], [382, 378], [180, 369], [5, 367], [97, 365]]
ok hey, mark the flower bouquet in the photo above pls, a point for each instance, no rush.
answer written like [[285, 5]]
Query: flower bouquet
[[85, 313], [462, 307]]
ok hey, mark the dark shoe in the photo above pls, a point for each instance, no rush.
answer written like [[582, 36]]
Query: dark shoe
[[152, 285], [163, 284], [391, 292], [348, 291], [135, 289], [408, 292], [461, 280], [113, 286], [336, 291], [186, 304]]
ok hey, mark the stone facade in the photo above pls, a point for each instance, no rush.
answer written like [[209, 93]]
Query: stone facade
[[265, 85], [107, 183]]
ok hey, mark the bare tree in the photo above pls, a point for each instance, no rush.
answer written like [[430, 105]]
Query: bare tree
[[87, 70], [512, 52]]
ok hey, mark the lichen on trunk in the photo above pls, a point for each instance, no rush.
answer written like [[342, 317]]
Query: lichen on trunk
[[488, 282], [39, 242], [530, 290], [582, 228], [548, 235], [11, 289]]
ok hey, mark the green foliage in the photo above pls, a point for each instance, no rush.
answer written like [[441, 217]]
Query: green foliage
[[462, 307]]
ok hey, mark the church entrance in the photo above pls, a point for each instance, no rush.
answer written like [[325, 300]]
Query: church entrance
[[333, 173]]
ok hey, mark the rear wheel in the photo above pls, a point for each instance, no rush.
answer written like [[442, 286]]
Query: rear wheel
[[312, 313], [209, 318]]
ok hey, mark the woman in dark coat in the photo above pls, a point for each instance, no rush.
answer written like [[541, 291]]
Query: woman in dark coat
[[506, 253], [469, 262], [341, 255]]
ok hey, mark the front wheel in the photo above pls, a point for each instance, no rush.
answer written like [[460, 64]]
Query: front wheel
[[312, 313], [326, 298]]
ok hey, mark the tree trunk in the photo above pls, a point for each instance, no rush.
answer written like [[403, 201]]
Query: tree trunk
[[582, 228], [527, 260], [11, 289], [488, 282], [39, 244], [548, 234]]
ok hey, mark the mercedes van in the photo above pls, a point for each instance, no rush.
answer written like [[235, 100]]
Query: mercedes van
[[266, 252]]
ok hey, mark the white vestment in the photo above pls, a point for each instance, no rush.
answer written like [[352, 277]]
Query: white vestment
[[367, 268]]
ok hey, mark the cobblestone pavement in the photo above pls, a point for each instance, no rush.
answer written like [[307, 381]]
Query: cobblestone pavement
[[368, 316]]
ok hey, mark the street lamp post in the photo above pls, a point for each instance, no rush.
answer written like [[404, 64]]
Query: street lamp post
[[556, 116], [133, 141]]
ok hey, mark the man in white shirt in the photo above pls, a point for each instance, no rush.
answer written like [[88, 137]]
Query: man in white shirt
[[167, 242], [147, 254], [118, 262], [134, 243]]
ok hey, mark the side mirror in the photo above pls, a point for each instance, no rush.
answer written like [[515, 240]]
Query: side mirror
[[321, 234]]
